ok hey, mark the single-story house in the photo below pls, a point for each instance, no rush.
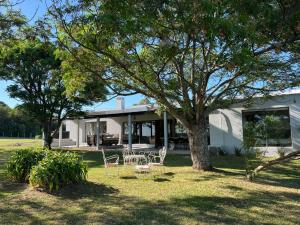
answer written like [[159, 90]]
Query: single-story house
[[151, 130]]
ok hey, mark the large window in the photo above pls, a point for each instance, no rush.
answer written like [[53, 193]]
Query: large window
[[142, 132], [268, 127]]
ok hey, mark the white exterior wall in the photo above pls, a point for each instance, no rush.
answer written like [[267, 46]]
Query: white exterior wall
[[226, 125], [114, 125]]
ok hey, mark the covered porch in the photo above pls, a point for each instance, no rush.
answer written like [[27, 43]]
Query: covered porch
[[128, 128]]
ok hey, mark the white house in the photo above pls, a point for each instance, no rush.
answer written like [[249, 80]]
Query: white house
[[149, 129]]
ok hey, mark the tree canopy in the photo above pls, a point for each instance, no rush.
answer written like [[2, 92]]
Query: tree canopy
[[31, 64], [192, 57], [10, 19], [17, 122]]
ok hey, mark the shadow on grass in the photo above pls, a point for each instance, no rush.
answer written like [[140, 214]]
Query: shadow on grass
[[85, 190], [171, 174], [161, 179], [128, 177], [9, 187], [97, 207]]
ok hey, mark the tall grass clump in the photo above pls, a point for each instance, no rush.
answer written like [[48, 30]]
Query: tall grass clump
[[57, 170], [21, 162]]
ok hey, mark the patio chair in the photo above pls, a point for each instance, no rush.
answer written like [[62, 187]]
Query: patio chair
[[142, 166], [110, 161], [157, 159]]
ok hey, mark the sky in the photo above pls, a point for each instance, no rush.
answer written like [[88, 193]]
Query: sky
[[34, 9]]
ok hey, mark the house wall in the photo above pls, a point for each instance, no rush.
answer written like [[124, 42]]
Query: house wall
[[226, 125], [114, 125]]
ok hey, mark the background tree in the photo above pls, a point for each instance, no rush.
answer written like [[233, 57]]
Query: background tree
[[17, 122], [31, 64], [192, 57], [144, 101], [10, 19]]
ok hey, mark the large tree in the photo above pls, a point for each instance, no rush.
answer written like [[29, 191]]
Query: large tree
[[29, 61], [192, 57]]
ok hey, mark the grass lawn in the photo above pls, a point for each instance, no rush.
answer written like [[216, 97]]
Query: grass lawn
[[180, 196]]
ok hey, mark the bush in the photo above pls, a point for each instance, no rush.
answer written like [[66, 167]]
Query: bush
[[21, 162], [221, 152], [238, 151], [58, 169], [281, 152]]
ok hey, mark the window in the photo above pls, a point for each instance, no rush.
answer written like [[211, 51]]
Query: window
[[268, 127], [91, 127]]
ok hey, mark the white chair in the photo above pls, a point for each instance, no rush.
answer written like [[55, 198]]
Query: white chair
[[157, 159], [110, 161], [142, 166]]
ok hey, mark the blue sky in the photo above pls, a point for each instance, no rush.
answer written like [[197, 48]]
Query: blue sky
[[33, 9]]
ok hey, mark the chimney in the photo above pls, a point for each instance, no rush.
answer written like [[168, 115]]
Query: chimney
[[120, 103]]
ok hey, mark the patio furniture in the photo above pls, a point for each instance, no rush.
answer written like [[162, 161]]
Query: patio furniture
[[110, 161], [110, 139], [142, 166], [157, 159], [130, 157]]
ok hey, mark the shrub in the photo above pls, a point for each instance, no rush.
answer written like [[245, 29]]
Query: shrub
[[221, 152], [281, 152], [238, 151], [58, 169], [21, 162]]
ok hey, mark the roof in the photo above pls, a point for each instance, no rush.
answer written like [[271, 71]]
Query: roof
[[141, 109]]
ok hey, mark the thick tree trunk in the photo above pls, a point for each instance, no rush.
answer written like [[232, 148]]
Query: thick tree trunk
[[197, 136]]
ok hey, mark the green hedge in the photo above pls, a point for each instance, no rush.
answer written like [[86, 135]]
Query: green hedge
[[21, 162], [57, 170]]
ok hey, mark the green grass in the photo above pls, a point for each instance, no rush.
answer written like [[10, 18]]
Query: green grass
[[180, 196]]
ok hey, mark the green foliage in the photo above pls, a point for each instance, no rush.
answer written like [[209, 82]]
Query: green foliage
[[10, 19], [58, 169], [238, 151], [17, 122], [221, 151], [31, 64], [252, 157], [22, 161], [144, 101], [281, 152], [253, 132], [191, 57]]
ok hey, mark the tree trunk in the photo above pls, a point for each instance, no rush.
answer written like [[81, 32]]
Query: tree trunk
[[266, 165], [197, 136], [47, 137]]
